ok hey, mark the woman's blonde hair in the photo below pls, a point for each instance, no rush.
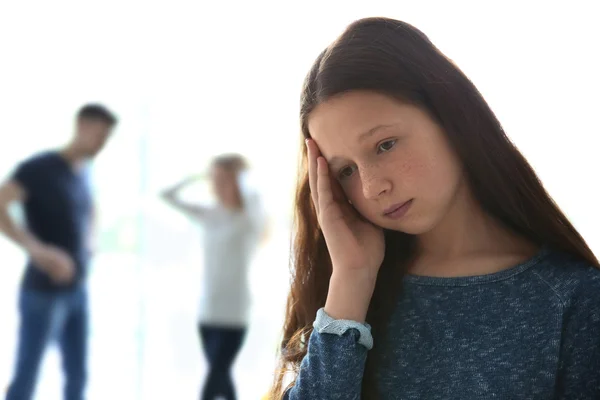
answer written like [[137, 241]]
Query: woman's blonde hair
[[235, 164], [231, 161]]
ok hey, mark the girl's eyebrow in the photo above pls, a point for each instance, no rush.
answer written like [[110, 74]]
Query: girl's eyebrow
[[373, 130]]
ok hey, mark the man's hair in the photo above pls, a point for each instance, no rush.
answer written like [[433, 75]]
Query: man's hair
[[97, 112]]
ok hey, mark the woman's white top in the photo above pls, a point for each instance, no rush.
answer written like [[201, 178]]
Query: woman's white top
[[230, 239]]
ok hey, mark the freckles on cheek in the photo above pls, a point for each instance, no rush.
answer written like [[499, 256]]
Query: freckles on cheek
[[406, 170]]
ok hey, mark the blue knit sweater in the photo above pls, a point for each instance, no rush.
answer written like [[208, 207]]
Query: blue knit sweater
[[529, 332]]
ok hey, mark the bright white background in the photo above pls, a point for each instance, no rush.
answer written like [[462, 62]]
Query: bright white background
[[191, 79]]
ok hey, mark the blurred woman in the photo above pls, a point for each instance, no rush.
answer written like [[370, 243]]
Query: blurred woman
[[232, 229]]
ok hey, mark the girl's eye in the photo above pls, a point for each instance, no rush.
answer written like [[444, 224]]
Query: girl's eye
[[346, 172], [386, 146]]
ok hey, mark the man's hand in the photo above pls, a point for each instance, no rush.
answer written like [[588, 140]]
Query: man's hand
[[54, 261]]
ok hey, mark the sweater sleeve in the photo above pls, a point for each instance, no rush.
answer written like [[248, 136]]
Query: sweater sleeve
[[579, 366], [335, 361]]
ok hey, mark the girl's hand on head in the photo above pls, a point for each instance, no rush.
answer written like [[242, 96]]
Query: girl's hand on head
[[355, 245]]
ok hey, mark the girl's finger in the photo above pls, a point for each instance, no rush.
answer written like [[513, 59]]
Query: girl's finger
[[325, 194], [312, 153]]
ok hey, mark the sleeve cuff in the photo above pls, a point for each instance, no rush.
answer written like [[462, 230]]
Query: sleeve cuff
[[325, 324]]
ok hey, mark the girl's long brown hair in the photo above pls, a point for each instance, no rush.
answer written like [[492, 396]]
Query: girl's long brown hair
[[396, 59]]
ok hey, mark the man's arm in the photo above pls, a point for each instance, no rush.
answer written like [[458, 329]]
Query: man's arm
[[11, 192], [53, 261]]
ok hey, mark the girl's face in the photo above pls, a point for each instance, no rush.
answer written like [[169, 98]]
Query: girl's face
[[392, 159], [224, 185]]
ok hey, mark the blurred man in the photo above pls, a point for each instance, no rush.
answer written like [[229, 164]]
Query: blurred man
[[52, 186]]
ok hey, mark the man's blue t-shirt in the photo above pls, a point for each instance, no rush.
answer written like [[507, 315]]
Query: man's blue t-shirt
[[58, 211]]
